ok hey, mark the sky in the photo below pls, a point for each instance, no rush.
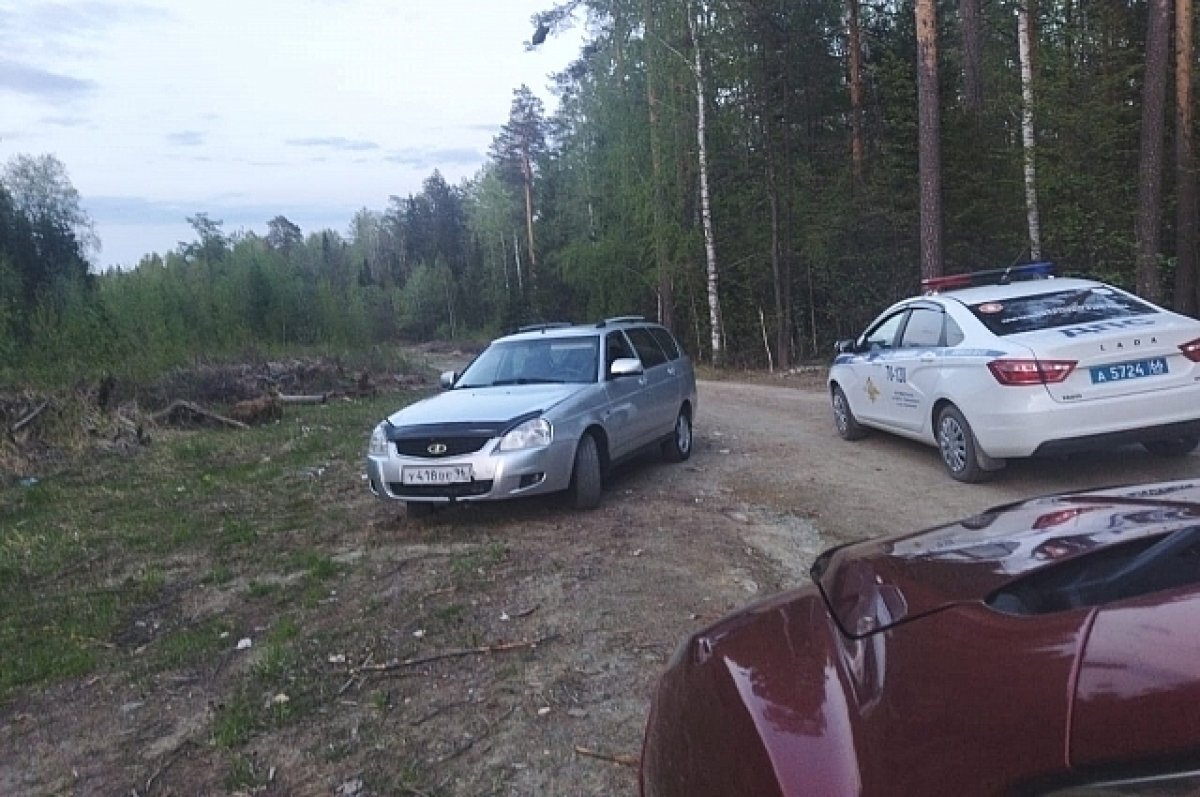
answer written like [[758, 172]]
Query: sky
[[248, 109]]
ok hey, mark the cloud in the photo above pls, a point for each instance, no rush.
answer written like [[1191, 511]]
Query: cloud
[[424, 158], [35, 82], [334, 142], [186, 138], [65, 121], [71, 19]]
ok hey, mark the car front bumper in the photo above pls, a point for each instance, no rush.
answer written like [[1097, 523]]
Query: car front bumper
[[495, 475]]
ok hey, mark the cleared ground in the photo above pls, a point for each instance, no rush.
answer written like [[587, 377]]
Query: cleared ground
[[476, 653]]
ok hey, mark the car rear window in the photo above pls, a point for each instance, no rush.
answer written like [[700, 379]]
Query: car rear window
[[648, 350], [1057, 309], [667, 341]]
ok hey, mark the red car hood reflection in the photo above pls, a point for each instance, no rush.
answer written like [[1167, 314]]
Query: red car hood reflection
[[873, 585]]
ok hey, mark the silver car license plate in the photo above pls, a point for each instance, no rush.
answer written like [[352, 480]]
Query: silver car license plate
[[1155, 366], [436, 474]]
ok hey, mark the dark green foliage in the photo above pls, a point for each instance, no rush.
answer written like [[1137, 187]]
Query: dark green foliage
[[806, 253]]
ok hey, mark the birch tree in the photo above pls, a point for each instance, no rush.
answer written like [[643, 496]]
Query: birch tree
[[710, 246], [1025, 48]]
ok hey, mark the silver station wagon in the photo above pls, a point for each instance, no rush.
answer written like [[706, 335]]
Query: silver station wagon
[[547, 409]]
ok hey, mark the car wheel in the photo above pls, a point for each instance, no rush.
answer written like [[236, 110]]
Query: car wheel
[[1177, 447], [678, 446], [419, 510], [586, 479], [956, 443], [847, 425]]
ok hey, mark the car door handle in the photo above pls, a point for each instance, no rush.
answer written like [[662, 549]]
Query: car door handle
[[671, 370], [642, 381]]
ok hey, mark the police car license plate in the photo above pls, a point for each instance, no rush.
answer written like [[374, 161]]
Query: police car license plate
[[436, 474], [1155, 366]]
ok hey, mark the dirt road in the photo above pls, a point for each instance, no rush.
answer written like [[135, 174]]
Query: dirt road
[[674, 547]]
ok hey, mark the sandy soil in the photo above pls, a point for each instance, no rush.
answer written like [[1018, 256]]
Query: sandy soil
[[607, 595]]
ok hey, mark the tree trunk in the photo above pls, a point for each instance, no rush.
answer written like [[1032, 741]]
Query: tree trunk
[[666, 293], [710, 246], [929, 138], [972, 35], [1151, 154], [1187, 298], [856, 102], [1024, 42], [782, 328]]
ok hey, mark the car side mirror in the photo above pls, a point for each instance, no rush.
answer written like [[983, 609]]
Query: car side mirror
[[447, 379], [625, 366], [846, 346]]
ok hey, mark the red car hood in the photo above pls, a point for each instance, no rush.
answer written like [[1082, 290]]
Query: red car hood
[[872, 586]]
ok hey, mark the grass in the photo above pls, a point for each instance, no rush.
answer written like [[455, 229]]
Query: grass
[[94, 557]]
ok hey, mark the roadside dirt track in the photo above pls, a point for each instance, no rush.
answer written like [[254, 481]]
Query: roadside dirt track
[[674, 547]]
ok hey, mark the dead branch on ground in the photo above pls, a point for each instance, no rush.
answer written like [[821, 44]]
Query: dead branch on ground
[[28, 419], [185, 413], [396, 664], [307, 399], [624, 759]]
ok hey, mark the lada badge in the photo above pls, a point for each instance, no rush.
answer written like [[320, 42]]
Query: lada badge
[[437, 449]]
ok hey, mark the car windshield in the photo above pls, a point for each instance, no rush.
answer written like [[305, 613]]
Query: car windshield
[[1057, 309], [541, 360]]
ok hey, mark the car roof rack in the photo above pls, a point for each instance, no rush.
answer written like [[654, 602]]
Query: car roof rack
[[620, 319], [995, 276], [544, 326]]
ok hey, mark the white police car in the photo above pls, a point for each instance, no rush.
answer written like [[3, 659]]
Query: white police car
[[1018, 363]]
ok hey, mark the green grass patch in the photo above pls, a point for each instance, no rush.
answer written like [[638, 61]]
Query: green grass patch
[[193, 645], [96, 546], [479, 560]]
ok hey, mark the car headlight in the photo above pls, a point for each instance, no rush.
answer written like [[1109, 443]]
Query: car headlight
[[378, 445], [531, 434]]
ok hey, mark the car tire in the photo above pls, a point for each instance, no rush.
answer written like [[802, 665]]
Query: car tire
[[957, 447], [419, 510], [843, 418], [1176, 447], [587, 477], [678, 447]]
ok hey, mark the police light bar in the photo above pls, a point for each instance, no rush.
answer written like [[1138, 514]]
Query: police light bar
[[995, 276]]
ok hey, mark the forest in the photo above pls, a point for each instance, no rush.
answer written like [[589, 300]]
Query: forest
[[763, 176]]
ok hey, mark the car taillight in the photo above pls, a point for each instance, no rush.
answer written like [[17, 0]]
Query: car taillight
[[1030, 372], [1191, 350]]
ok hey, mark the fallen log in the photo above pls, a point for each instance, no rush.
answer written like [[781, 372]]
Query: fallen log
[[185, 413]]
